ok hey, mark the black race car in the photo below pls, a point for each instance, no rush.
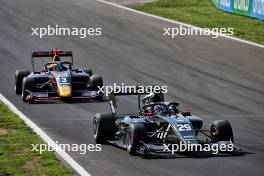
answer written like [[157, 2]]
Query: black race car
[[57, 79], [158, 127]]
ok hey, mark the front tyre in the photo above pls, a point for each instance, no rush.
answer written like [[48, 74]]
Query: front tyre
[[136, 132], [221, 130], [28, 86], [95, 82], [103, 128], [19, 76]]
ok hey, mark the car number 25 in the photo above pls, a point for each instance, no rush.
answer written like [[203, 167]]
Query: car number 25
[[184, 127]]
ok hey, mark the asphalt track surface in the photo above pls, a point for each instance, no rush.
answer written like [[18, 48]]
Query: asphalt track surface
[[215, 78]]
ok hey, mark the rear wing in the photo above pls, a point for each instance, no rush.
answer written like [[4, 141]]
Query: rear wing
[[51, 54], [149, 98]]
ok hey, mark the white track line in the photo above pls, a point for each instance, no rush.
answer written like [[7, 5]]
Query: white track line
[[180, 23], [46, 138]]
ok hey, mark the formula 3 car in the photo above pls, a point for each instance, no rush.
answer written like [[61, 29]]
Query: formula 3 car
[[57, 79], [158, 127]]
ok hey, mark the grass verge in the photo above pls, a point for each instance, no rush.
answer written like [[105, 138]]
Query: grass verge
[[16, 157], [204, 14]]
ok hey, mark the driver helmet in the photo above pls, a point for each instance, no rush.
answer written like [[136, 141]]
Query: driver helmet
[[148, 110], [159, 109], [173, 110]]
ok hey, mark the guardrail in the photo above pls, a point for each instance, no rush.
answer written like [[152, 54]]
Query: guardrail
[[251, 8]]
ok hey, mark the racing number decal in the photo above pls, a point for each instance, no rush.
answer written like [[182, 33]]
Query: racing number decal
[[184, 127], [63, 79]]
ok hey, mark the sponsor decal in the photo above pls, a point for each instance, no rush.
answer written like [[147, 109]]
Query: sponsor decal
[[241, 7], [225, 5], [257, 9], [252, 8]]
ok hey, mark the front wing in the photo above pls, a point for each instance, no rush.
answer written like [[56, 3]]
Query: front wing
[[89, 94]]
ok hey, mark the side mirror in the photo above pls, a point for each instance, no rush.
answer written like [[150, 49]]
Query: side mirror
[[186, 113]]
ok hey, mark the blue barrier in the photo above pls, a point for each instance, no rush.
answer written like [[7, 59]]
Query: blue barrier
[[257, 9], [251, 8], [225, 5]]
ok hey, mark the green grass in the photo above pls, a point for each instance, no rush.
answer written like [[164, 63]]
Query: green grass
[[204, 14], [16, 157]]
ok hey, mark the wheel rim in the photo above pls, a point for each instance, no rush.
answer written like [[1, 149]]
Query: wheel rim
[[213, 133], [128, 140], [25, 94], [95, 127]]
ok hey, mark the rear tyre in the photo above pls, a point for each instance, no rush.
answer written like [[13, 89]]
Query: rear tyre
[[19, 75], [136, 132], [88, 71], [103, 128], [28, 86], [221, 130]]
